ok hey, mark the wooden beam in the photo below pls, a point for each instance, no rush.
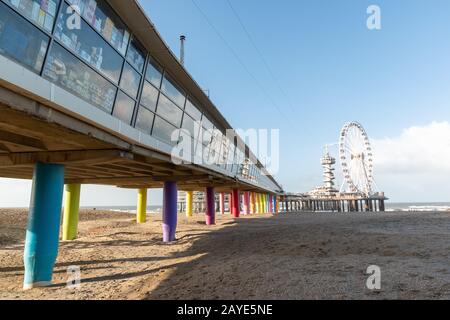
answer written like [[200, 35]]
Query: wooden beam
[[21, 140], [111, 180], [177, 178], [62, 157], [4, 149]]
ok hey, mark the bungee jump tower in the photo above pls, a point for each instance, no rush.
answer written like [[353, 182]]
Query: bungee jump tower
[[99, 105]]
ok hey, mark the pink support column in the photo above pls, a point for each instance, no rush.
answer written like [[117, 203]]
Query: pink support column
[[222, 203], [210, 216]]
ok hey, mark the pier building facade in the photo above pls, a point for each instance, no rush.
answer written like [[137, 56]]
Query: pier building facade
[[91, 94]]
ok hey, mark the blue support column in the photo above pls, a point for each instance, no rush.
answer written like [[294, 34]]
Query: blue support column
[[41, 243], [169, 211]]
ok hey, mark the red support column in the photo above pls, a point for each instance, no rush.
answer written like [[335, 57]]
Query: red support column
[[246, 203], [235, 208]]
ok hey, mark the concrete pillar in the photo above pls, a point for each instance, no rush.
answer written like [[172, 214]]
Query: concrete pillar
[[261, 203], [222, 203], [252, 203], [246, 203], [71, 210], [210, 215], [41, 242], [141, 212], [236, 208], [169, 211], [189, 203]]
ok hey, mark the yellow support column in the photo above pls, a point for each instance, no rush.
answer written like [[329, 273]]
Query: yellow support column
[[71, 209], [189, 203], [260, 203], [252, 203], [256, 203], [265, 203], [141, 214]]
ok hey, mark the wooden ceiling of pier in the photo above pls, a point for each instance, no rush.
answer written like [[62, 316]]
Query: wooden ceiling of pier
[[26, 139]]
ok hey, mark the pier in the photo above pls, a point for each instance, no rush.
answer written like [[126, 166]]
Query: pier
[[91, 108], [339, 203]]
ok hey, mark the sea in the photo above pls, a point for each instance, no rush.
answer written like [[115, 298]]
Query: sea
[[390, 206]]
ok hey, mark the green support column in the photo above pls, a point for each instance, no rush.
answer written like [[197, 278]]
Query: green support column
[[141, 213], [71, 209]]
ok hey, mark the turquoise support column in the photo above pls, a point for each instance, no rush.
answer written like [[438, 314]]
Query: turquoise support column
[[41, 242]]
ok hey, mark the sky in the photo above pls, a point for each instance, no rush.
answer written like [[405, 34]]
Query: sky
[[313, 67]]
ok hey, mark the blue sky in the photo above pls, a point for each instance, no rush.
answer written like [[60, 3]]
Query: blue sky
[[332, 69]]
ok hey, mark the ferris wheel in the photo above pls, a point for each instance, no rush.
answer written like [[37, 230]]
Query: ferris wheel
[[356, 159]]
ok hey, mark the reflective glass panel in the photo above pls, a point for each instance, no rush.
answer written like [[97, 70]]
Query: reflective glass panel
[[163, 130], [136, 55], [169, 111], [124, 108], [88, 45], [67, 71], [130, 80], [154, 73], [144, 120], [41, 12], [20, 40], [192, 110], [99, 15], [207, 124], [190, 125], [149, 96], [173, 91]]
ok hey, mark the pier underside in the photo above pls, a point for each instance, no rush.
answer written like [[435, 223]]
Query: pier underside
[[32, 132]]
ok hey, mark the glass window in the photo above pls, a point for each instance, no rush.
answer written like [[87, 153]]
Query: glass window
[[136, 55], [169, 111], [192, 110], [173, 91], [190, 125], [144, 120], [154, 73], [207, 136], [163, 130], [88, 45], [67, 71], [20, 40], [149, 96], [207, 124], [100, 15], [124, 108], [130, 80], [41, 12]]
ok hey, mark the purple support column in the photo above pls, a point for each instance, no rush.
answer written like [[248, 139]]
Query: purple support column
[[210, 208], [169, 211]]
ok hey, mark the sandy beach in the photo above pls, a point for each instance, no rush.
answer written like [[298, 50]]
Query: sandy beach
[[294, 256]]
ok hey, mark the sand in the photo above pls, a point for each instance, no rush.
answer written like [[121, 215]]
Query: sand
[[294, 256]]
